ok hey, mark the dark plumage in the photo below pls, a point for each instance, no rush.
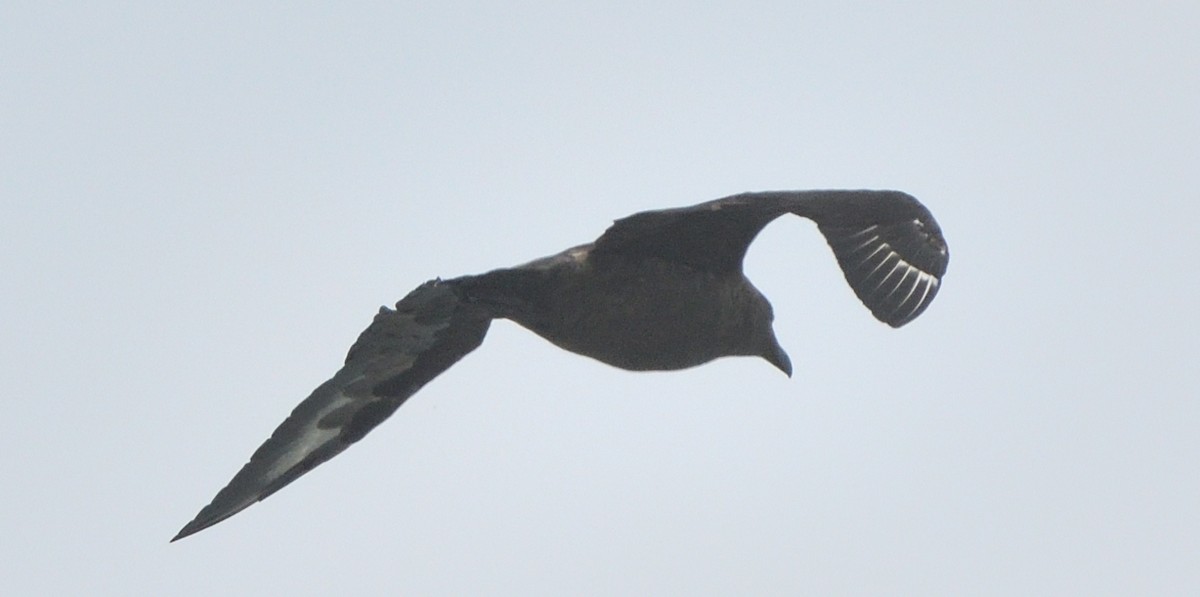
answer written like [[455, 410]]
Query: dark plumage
[[658, 290]]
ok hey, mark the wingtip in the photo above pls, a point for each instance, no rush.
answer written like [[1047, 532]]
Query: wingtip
[[195, 526], [184, 532], [216, 512]]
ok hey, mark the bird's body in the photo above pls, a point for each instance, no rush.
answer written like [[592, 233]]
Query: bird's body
[[659, 290], [614, 312]]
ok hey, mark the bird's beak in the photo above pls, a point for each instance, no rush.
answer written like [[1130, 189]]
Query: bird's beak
[[775, 355]]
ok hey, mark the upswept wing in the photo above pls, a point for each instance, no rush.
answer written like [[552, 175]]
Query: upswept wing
[[401, 351], [888, 245]]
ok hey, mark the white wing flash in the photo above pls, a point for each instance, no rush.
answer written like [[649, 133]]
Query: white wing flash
[[895, 269]]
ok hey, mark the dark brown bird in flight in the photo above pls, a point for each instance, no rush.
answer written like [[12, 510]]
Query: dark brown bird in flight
[[659, 290]]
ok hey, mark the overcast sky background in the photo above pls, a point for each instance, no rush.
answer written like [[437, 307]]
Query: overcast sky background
[[203, 205]]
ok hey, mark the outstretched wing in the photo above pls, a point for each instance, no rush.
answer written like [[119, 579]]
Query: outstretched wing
[[402, 350], [888, 245]]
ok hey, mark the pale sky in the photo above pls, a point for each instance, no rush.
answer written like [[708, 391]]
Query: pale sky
[[203, 205]]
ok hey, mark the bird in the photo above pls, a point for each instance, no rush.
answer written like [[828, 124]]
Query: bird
[[657, 291]]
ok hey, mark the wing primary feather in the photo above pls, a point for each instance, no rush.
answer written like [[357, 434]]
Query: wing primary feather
[[882, 254]]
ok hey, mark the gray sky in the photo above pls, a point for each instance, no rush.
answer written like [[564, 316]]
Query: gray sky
[[202, 206]]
